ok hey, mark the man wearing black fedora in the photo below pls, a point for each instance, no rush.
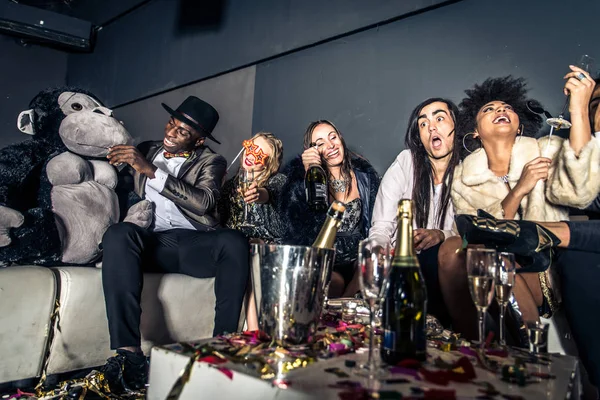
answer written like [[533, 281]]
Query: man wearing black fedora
[[182, 178]]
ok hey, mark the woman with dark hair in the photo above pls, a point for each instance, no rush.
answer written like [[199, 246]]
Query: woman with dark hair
[[423, 172], [352, 180], [511, 175]]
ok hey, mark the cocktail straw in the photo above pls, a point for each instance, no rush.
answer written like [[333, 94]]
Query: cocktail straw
[[545, 154], [235, 159]]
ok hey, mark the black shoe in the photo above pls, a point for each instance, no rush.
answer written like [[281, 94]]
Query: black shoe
[[531, 243], [126, 371]]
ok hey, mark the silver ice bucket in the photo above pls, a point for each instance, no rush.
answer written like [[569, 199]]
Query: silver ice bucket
[[289, 285]]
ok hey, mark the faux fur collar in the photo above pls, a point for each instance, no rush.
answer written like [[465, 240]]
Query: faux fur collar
[[476, 170]]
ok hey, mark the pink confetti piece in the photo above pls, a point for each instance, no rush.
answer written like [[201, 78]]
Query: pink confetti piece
[[228, 373], [282, 383], [497, 353], [405, 371], [212, 360], [468, 351]]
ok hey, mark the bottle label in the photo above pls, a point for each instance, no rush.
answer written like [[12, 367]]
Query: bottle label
[[320, 191], [389, 340]]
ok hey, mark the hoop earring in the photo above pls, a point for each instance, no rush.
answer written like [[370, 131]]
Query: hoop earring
[[463, 142], [520, 133]]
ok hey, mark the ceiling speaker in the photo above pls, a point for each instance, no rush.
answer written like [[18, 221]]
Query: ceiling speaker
[[45, 26]]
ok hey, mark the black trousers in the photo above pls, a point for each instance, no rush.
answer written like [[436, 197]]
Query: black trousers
[[579, 270], [129, 251]]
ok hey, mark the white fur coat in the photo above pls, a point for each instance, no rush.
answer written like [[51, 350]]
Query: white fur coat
[[573, 181]]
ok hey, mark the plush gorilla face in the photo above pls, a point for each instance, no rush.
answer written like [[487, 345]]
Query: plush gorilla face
[[88, 128], [69, 117]]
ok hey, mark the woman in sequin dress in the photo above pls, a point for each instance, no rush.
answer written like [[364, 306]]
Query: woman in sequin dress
[[262, 155], [352, 180], [262, 194]]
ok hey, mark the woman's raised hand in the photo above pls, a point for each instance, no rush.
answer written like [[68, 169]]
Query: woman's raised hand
[[311, 156], [533, 171], [580, 85]]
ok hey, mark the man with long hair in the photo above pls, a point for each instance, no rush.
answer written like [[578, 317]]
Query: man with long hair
[[423, 172]]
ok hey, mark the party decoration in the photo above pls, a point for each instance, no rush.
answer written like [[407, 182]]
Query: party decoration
[[259, 156], [254, 354]]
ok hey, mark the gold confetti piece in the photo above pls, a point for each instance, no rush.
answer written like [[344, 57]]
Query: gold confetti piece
[[244, 350]]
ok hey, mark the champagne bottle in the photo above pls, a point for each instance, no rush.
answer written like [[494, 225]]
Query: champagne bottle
[[326, 237], [315, 185], [405, 305]]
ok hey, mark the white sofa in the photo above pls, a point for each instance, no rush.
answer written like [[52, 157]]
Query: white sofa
[[174, 308]]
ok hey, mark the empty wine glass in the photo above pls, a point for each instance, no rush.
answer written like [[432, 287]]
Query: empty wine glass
[[481, 272], [374, 263], [505, 280], [246, 177], [587, 64]]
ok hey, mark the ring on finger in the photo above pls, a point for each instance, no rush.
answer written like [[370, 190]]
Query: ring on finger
[[581, 76]]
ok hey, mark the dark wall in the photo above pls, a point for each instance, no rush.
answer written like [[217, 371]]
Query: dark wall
[[369, 82], [152, 50], [24, 71]]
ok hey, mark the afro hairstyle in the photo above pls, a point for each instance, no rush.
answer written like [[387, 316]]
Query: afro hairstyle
[[510, 90]]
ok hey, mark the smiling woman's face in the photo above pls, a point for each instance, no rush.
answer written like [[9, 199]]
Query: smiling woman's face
[[329, 144], [497, 120]]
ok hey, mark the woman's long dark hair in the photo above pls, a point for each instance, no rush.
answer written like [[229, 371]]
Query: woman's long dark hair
[[346, 168], [423, 169]]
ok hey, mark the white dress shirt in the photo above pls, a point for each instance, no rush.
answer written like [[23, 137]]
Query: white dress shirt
[[166, 213], [397, 184]]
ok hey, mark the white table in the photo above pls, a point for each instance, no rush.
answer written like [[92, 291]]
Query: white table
[[207, 381]]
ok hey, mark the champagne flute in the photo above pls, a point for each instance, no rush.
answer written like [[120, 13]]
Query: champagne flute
[[505, 280], [246, 177], [481, 272], [587, 64], [374, 263]]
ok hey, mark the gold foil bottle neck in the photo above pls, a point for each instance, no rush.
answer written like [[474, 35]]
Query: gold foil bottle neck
[[405, 208], [326, 237], [404, 239]]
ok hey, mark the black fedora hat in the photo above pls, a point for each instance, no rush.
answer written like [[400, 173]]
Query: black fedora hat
[[198, 114]]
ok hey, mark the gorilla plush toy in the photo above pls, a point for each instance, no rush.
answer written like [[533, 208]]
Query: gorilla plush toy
[[57, 190]]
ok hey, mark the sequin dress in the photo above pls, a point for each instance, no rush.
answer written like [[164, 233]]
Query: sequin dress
[[264, 217], [349, 233]]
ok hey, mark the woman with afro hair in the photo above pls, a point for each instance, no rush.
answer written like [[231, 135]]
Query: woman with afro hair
[[510, 175]]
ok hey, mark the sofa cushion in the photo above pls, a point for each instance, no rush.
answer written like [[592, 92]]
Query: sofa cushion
[[174, 308], [27, 298]]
